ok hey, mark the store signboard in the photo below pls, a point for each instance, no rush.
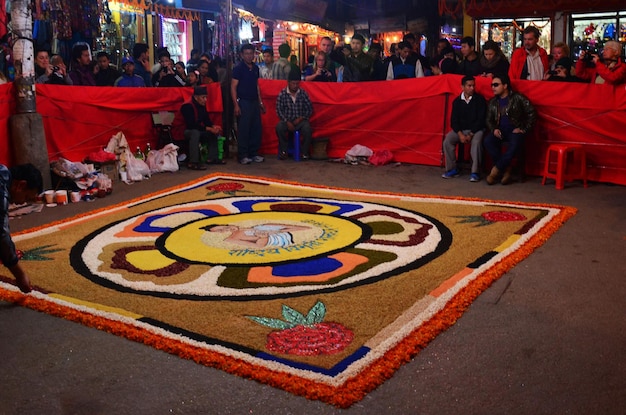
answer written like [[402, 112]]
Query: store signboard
[[306, 10], [388, 24]]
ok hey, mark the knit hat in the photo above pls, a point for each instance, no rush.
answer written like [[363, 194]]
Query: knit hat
[[564, 62], [200, 90], [359, 37]]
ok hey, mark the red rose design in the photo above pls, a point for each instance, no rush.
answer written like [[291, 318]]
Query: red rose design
[[225, 187], [320, 338], [503, 216]]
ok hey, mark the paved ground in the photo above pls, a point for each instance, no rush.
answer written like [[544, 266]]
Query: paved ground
[[547, 338]]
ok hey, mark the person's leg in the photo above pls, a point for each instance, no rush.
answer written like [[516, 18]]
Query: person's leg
[[449, 149], [514, 142], [281, 132], [243, 132], [476, 151], [254, 144], [493, 145], [193, 139], [306, 133], [210, 140]]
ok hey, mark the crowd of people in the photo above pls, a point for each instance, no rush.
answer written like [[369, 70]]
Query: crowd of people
[[134, 71]]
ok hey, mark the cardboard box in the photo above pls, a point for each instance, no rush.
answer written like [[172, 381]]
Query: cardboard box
[[111, 170]]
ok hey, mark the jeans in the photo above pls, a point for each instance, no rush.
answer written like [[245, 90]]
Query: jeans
[[476, 150], [493, 145], [249, 129], [282, 131]]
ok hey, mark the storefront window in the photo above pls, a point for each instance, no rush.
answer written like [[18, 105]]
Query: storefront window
[[591, 30], [121, 27], [509, 33]]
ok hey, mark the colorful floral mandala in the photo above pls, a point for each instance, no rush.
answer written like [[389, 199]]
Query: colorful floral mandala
[[252, 247]]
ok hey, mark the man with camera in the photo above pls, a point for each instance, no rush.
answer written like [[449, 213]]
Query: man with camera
[[166, 76], [609, 68]]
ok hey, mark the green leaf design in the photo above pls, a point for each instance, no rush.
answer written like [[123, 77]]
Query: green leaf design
[[316, 314], [39, 254], [293, 316], [272, 322]]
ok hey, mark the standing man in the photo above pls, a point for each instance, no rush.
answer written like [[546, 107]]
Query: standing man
[[357, 65], [294, 110], [468, 124], [142, 63], [246, 96], [281, 68], [510, 115], [265, 70], [200, 129], [81, 72], [406, 65], [470, 65], [105, 73], [531, 61]]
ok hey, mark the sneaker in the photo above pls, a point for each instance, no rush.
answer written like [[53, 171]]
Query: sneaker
[[282, 155], [245, 160], [474, 177], [258, 159], [450, 174], [304, 157]]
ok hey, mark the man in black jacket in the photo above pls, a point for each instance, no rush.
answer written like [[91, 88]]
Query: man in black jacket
[[468, 123], [510, 115]]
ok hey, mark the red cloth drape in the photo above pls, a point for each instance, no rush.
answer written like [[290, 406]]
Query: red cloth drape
[[408, 117]]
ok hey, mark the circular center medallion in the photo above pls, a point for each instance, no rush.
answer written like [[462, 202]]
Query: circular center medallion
[[259, 238]]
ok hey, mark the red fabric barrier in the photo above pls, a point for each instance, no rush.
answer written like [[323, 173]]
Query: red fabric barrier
[[408, 117], [7, 106]]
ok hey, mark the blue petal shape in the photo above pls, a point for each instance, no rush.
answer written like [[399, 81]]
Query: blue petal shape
[[247, 205], [146, 225], [312, 267]]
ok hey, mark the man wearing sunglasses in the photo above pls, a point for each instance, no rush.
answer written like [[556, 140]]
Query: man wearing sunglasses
[[510, 115]]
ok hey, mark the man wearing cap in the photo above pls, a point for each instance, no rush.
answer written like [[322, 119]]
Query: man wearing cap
[[128, 78], [294, 110], [200, 129], [562, 71]]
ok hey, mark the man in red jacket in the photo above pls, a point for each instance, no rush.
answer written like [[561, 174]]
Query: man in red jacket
[[531, 61], [610, 69]]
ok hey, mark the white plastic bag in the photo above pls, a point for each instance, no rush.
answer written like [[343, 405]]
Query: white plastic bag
[[136, 169], [358, 153], [165, 159]]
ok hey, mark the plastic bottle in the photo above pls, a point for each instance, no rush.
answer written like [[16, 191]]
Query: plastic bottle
[[220, 147], [139, 154], [148, 150]]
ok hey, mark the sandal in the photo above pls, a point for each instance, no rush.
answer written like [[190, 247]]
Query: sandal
[[216, 161], [196, 166]]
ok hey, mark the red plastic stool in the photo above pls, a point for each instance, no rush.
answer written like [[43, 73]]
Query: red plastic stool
[[562, 173]]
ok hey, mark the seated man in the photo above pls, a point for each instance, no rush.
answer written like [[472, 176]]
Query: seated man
[[610, 69], [20, 184], [200, 129], [294, 110], [468, 122], [510, 115]]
